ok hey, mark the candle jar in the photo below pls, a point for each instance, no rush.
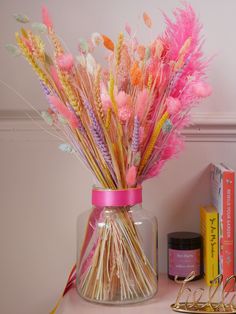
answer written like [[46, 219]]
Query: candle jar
[[184, 254], [117, 249]]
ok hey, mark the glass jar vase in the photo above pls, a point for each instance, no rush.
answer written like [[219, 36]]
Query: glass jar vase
[[116, 249]]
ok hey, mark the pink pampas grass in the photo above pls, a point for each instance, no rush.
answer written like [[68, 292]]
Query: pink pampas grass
[[201, 89], [173, 105]]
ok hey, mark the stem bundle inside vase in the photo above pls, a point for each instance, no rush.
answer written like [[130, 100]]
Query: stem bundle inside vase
[[119, 269], [124, 121]]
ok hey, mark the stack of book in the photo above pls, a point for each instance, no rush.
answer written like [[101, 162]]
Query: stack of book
[[217, 225]]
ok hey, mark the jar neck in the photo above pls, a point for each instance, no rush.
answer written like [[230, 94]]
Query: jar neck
[[116, 198]]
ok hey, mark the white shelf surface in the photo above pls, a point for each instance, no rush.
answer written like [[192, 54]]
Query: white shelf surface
[[160, 304]]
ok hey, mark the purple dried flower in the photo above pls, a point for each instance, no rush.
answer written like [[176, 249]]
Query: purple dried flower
[[98, 133], [47, 93], [135, 138], [93, 118], [101, 145], [46, 90]]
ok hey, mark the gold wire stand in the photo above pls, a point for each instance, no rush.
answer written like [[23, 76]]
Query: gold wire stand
[[210, 306]]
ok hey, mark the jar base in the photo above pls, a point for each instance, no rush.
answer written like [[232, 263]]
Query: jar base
[[182, 278], [118, 303]]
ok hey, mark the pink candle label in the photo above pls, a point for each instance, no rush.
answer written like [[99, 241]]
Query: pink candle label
[[182, 262]]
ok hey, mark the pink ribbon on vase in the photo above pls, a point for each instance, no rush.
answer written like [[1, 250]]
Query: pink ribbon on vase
[[126, 197]]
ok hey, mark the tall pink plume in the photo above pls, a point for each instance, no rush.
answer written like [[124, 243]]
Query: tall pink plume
[[64, 111], [201, 89], [185, 25], [180, 123], [174, 145], [46, 18], [155, 170], [141, 103]]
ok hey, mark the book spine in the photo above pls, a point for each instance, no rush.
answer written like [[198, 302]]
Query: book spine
[[204, 241], [227, 245], [212, 227], [209, 231]]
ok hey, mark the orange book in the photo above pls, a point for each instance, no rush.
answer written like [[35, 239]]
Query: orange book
[[222, 184]]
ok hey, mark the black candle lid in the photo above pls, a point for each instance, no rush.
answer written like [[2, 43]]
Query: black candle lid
[[184, 239]]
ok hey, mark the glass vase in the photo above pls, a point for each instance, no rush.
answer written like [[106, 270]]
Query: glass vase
[[116, 249]]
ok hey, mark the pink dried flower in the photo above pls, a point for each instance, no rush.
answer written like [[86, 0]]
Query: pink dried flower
[[134, 43], [124, 113], [106, 100], [122, 99], [63, 110], [55, 77], [141, 51], [131, 176], [65, 62], [147, 20], [46, 18], [141, 103], [141, 134], [128, 29]]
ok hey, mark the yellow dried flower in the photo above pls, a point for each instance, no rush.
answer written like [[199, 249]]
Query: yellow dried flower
[[111, 93], [108, 119], [69, 91], [56, 43], [149, 83], [26, 53], [119, 48], [97, 94], [153, 140]]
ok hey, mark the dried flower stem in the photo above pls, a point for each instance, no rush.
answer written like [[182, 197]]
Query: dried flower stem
[[118, 258]]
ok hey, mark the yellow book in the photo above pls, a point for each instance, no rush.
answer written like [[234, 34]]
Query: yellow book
[[209, 232]]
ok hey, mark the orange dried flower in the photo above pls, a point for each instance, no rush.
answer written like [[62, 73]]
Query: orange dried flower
[[147, 20], [135, 74], [141, 51], [108, 43]]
